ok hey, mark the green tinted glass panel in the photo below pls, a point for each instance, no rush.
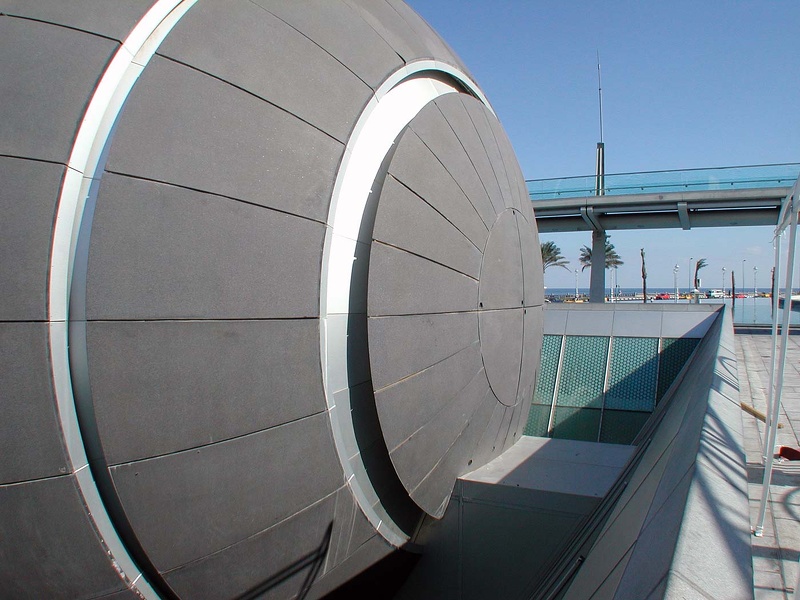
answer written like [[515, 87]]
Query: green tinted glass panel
[[621, 426], [632, 374], [583, 371], [576, 423], [537, 420], [546, 384], [674, 354]]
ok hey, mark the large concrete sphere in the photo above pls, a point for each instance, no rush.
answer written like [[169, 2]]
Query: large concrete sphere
[[270, 284]]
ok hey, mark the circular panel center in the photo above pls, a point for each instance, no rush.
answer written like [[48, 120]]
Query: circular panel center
[[500, 306]]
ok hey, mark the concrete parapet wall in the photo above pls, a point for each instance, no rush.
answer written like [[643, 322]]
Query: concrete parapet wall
[[680, 527]]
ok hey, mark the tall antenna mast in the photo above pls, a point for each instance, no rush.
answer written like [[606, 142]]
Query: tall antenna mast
[[600, 95]]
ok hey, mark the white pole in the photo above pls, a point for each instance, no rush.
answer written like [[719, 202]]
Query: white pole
[[770, 448], [723, 283]]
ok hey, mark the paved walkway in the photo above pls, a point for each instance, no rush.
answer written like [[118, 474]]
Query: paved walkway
[[775, 554]]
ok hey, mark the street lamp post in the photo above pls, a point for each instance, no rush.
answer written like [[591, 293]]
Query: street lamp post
[[755, 285], [744, 260], [723, 281], [691, 283], [675, 270], [576, 285]]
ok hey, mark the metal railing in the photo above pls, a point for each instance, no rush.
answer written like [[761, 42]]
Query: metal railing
[[707, 179]]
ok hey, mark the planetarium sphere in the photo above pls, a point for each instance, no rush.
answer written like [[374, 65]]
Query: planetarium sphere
[[271, 283]]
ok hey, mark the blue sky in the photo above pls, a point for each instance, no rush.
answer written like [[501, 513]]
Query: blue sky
[[685, 85]]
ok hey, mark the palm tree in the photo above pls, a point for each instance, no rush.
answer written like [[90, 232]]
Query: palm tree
[[551, 257], [612, 258], [701, 262]]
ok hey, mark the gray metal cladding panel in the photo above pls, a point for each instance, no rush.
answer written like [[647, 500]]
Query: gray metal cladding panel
[[30, 443], [420, 454], [509, 165], [532, 274], [163, 386], [403, 346], [49, 548], [41, 112], [417, 167], [487, 448], [437, 134], [362, 50], [401, 283], [281, 65], [160, 251], [410, 404], [184, 127], [114, 20], [274, 563], [188, 505], [406, 221], [27, 205], [480, 117], [501, 348]]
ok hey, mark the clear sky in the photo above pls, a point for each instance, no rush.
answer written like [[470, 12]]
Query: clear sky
[[686, 84]]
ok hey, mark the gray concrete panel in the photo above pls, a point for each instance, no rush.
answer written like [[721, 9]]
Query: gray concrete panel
[[401, 283], [49, 548], [555, 321], [404, 220], [486, 448], [636, 324], [420, 454], [509, 165], [344, 509], [30, 439], [362, 50], [360, 533], [281, 65], [410, 404], [480, 117], [181, 505], [415, 166], [438, 484], [181, 126], [163, 386], [159, 251], [365, 556], [114, 20], [501, 275], [686, 324], [532, 273], [392, 28], [437, 134], [501, 334], [42, 112], [27, 204], [461, 122], [275, 563], [403, 346], [437, 47], [589, 322]]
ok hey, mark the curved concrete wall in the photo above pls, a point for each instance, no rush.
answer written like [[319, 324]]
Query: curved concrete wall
[[271, 283]]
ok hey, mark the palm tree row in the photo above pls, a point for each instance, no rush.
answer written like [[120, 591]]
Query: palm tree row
[[552, 257]]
